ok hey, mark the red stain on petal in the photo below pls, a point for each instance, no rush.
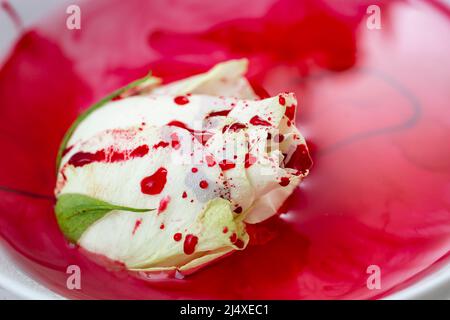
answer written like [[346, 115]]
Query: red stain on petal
[[221, 113], [249, 160], [300, 159], [235, 127], [137, 225], [239, 243], [257, 121], [175, 141], [210, 160], [238, 210], [155, 183], [163, 204], [190, 242], [278, 138], [140, 151], [116, 156], [177, 236], [227, 165], [201, 136], [181, 100], [81, 159], [284, 181], [203, 184], [66, 150], [161, 144], [290, 112]]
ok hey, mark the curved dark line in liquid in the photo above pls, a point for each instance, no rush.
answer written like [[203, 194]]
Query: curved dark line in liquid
[[28, 194], [16, 253], [11, 243], [11, 12], [408, 123], [441, 6]]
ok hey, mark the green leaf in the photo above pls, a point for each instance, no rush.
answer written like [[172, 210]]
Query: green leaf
[[91, 109], [76, 212]]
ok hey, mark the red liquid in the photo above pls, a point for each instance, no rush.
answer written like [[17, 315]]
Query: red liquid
[[201, 136], [373, 107], [177, 236], [163, 204], [290, 110], [284, 181], [300, 160], [189, 244], [227, 165], [161, 144], [80, 159], [235, 127], [154, 183], [181, 100], [175, 141], [249, 160], [257, 121], [204, 184], [221, 113], [137, 224]]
